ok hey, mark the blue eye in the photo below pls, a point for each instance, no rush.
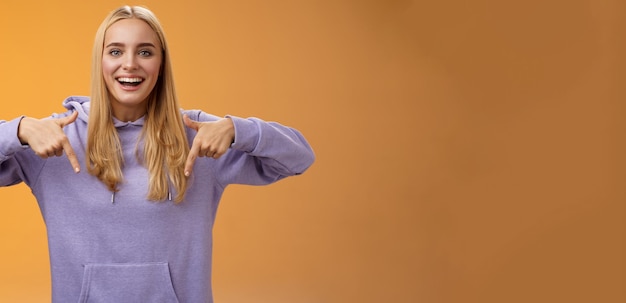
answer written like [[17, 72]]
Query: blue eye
[[115, 52], [145, 53]]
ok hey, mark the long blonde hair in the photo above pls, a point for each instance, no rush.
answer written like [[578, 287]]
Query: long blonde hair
[[165, 146]]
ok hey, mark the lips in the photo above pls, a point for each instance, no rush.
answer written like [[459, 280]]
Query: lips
[[129, 81]]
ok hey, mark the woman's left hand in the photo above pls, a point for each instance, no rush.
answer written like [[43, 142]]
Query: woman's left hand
[[212, 140]]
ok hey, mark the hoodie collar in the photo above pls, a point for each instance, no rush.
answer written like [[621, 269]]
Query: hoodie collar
[[139, 122], [82, 105]]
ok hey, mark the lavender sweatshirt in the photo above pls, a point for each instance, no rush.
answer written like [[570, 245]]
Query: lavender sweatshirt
[[135, 250]]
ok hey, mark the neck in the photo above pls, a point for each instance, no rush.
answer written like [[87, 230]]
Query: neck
[[126, 114]]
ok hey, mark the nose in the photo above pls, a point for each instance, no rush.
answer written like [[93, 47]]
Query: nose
[[130, 62]]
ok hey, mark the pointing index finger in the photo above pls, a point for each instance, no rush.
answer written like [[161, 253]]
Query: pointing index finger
[[71, 155], [193, 154]]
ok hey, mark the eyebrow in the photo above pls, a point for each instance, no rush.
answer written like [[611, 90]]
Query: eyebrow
[[144, 44]]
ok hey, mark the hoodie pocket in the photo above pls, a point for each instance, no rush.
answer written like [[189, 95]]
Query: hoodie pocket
[[127, 282]]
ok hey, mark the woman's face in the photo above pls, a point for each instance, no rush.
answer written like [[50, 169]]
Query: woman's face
[[131, 61]]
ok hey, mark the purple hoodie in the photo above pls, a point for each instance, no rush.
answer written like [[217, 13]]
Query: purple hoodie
[[126, 248]]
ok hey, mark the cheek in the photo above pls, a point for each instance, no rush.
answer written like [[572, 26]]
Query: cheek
[[107, 70], [153, 69]]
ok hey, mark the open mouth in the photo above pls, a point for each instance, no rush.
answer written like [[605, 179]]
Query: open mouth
[[129, 81]]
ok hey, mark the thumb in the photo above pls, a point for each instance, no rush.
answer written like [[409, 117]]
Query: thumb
[[191, 123], [67, 120]]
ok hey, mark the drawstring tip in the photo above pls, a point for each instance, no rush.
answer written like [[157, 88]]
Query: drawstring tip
[[113, 198], [169, 195]]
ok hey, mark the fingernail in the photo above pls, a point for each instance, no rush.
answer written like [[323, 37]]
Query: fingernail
[[186, 174], [77, 170]]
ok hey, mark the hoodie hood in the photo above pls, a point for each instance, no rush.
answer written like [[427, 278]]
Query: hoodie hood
[[82, 104]]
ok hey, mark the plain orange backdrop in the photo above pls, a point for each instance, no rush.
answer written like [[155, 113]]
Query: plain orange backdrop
[[467, 151]]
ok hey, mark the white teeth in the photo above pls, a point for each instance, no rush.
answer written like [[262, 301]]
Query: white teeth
[[129, 80]]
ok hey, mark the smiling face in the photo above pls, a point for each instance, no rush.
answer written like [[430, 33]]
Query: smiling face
[[131, 61]]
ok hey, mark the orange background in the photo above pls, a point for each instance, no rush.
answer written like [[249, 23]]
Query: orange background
[[467, 151]]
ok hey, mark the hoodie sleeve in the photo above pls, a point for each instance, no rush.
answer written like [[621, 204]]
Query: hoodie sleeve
[[263, 152], [12, 170]]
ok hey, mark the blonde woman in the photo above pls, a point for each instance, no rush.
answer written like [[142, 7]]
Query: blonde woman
[[136, 227]]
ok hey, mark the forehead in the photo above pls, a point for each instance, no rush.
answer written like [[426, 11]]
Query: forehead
[[131, 32]]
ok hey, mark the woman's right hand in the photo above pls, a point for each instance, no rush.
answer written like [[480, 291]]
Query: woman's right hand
[[47, 139]]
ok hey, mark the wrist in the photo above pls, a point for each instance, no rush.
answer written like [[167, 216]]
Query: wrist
[[230, 126], [22, 130]]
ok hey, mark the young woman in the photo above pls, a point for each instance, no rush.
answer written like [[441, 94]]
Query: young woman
[[137, 226]]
